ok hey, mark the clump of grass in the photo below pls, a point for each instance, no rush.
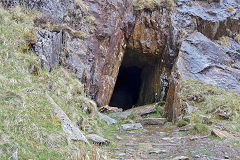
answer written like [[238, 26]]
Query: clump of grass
[[200, 128], [182, 123], [152, 4], [237, 38], [230, 9], [224, 41]]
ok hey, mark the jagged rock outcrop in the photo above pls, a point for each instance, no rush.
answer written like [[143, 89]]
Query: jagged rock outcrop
[[203, 60]]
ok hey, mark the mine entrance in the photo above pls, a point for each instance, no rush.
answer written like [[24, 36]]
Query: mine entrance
[[136, 81]]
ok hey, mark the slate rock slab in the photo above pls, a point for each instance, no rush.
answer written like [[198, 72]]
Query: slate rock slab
[[131, 126], [97, 139]]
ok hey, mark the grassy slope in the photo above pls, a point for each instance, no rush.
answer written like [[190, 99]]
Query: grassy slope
[[27, 119], [216, 100]]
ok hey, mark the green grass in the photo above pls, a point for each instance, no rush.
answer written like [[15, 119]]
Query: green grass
[[215, 100], [28, 122], [182, 123]]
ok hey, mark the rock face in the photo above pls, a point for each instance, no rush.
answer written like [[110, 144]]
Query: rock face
[[203, 60], [92, 37], [96, 62], [196, 27], [49, 47]]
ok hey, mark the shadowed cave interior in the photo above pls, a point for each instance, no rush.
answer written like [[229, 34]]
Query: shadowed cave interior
[[134, 85]]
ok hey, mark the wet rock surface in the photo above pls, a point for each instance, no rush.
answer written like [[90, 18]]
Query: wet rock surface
[[166, 142]]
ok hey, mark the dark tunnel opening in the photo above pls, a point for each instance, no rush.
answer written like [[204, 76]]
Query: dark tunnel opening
[[138, 81], [127, 88]]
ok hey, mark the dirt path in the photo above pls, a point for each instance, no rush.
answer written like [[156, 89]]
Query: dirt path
[[167, 142]]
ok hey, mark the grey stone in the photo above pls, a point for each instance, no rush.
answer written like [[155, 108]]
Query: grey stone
[[190, 109], [131, 126], [196, 156], [14, 156], [97, 139], [68, 126], [181, 158], [120, 154], [234, 127], [153, 121], [118, 137], [120, 115], [106, 118], [130, 150], [130, 144], [157, 151]]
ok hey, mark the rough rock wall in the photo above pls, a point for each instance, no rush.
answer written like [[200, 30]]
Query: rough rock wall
[[197, 25], [151, 37], [95, 35], [94, 38]]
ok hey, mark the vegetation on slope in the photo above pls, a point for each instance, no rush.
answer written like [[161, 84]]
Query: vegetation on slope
[[28, 122], [215, 107]]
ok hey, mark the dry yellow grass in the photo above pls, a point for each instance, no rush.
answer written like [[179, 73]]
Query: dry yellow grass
[[151, 4]]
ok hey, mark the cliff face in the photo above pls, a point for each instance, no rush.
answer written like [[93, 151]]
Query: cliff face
[[92, 37]]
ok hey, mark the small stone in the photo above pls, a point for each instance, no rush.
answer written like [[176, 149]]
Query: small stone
[[131, 126], [162, 133], [181, 158], [120, 154], [234, 127], [190, 108], [120, 115], [130, 150], [97, 139], [109, 109], [196, 156], [156, 151], [204, 117], [106, 118], [235, 122], [153, 121], [118, 137], [166, 139], [130, 144], [15, 155], [224, 116], [186, 128], [226, 156]]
